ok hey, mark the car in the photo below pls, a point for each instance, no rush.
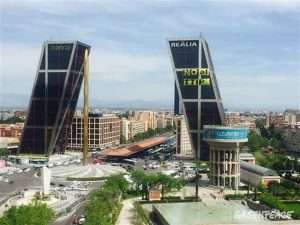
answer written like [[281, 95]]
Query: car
[[58, 163], [27, 170], [81, 219], [156, 166], [97, 161], [76, 161]]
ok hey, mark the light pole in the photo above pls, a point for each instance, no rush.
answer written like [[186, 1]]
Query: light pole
[[197, 184], [85, 107]]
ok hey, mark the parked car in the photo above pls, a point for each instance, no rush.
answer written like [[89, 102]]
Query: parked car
[[97, 161], [27, 170], [81, 219]]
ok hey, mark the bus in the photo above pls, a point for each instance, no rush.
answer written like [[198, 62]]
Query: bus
[[130, 161]]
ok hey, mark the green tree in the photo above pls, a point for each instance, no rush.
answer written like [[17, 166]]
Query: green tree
[[144, 182], [148, 182], [4, 152], [138, 177], [117, 183], [168, 183], [263, 142], [259, 123], [253, 141], [275, 143], [35, 213], [12, 120], [104, 204], [99, 209]]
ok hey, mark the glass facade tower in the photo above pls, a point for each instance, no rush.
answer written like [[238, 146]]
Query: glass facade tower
[[197, 95], [54, 98]]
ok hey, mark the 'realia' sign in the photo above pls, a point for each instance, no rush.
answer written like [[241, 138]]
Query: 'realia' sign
[[178, 44]]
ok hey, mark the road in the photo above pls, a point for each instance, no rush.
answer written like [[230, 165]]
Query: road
[[20, 181], [79, 209], [68, 220]]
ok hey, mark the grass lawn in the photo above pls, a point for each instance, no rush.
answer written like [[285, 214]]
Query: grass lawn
[[294, 206]]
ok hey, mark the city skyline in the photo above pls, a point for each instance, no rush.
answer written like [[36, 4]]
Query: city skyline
[[129, 54]]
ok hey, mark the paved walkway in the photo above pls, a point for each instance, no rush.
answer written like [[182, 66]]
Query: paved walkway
[[91, 170], [127, 213]]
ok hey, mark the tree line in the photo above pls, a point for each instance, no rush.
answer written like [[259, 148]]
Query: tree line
[[104, 204], [35, 213], [147, 134], [276, 159]]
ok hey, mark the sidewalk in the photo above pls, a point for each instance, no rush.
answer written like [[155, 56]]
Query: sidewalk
[[126, 213]]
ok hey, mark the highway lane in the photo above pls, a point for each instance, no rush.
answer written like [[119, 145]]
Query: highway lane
[[79, 209]]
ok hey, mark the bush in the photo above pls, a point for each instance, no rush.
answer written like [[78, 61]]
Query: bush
[[86, 178], [235, 197], [275, 203], [36, 213], [172, 198], [104, 204], [192, 199], [141, 215]]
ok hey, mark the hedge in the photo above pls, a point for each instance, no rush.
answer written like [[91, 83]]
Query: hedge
[[86, 178], [234, 197], [275, 203]]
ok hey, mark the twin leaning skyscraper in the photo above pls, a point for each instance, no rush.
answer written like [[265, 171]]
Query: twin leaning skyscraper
[[58, 81], [54, 98], [197, 95]]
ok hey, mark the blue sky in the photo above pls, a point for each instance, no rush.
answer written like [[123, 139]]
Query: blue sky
[[255, 46]]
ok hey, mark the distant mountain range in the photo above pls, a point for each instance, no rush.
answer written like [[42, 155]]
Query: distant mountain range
[[22, 100]]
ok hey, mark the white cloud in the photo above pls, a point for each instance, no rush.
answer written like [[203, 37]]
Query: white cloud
[[73, 7], [276, 5], [125, 67], [261, 91], [19, 60], [128, 46]]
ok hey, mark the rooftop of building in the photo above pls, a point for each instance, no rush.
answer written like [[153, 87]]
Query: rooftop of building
[[67, 42], [7, 142], [292, 111], [259, 170], [246, 155], [97, 115], [204, 213], [135, 148]]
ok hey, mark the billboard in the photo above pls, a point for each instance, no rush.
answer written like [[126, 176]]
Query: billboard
[[225, 134]]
